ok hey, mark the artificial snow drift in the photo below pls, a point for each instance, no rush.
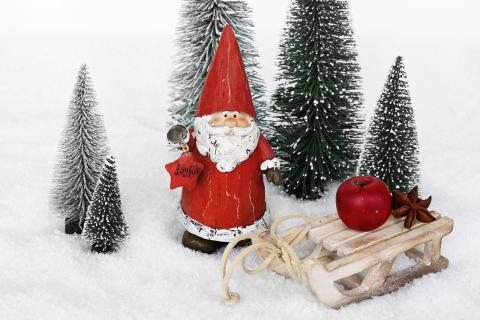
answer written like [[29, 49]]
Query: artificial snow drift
[[45, 274]]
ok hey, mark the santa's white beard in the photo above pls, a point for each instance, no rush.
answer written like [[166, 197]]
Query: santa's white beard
[[227, 147]]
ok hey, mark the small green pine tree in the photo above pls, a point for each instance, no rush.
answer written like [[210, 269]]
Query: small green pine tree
[[391, 147], [82, 151], [105, 227], [318, 102]]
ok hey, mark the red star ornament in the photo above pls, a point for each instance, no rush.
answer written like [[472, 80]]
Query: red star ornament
[[184, 172]]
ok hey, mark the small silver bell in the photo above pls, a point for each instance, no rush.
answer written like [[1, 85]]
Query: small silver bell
[[177, 134]]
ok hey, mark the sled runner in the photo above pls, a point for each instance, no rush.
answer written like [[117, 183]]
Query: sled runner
[[345, 266]]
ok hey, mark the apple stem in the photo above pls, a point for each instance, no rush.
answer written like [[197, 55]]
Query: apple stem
[[360, 183]]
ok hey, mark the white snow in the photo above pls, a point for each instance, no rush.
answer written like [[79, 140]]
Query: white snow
[[45, 274]]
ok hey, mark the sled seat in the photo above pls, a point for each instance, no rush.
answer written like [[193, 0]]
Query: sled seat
[[347, 266]]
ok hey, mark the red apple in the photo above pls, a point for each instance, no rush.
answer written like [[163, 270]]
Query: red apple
[[364, 203]]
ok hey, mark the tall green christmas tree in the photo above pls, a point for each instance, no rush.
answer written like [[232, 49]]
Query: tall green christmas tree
[[105, 226], [81, 154], [201, 25], [391, 147], [318, 101]]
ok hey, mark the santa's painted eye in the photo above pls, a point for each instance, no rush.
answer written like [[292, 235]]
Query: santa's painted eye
[[234, 115], [225, 115]]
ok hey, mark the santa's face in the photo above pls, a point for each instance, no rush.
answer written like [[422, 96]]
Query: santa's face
[[228, 138], [230, 119]]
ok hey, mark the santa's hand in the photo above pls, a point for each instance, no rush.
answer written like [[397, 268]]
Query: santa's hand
[[178, 135], [274, 176]]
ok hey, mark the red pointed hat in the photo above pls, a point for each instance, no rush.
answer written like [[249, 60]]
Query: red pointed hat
[[226, 87]]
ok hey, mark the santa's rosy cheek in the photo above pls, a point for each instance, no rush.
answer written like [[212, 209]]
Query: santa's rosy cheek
[[243, 122], [216, 122]]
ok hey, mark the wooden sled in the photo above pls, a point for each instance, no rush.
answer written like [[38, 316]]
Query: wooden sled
[[348, 266]]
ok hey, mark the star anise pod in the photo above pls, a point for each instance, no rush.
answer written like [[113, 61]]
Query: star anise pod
[[411, 207]]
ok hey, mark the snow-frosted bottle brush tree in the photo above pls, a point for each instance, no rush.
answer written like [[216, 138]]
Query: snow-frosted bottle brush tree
[[82, 151], [318, 101], [105, 226], [391, 146], [198, 33]]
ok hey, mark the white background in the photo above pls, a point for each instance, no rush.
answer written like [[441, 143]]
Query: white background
[[128, 46]]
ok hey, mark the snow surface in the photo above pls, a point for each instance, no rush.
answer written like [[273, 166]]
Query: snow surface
[[45, 274]]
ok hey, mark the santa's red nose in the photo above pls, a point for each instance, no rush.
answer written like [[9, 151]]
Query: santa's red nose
[[231, 122]]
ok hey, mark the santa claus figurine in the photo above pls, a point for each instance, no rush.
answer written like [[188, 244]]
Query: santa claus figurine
[[228, 196]]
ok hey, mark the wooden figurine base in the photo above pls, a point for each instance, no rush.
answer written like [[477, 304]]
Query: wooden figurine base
[[348, 266]]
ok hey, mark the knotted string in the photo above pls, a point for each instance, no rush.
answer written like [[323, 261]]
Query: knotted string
[[280, 249]]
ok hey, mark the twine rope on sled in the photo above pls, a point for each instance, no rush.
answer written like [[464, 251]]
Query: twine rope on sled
[[280, 249]]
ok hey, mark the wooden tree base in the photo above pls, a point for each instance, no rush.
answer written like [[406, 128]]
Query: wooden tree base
[[348, 266], [101, 249], [72, 227]]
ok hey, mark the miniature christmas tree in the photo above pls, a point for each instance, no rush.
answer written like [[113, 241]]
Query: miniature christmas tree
[[81, 153], [201, 24], [391, 148], [318, 100], [105, 226]]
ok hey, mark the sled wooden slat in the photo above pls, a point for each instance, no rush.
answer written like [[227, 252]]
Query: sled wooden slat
[[335, 240], [291, 233], [391, 229], [403, 242], [317, 234], [325, 220], [348, 266]]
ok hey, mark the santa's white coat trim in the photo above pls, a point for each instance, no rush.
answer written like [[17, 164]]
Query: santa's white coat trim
[[222, 235]]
